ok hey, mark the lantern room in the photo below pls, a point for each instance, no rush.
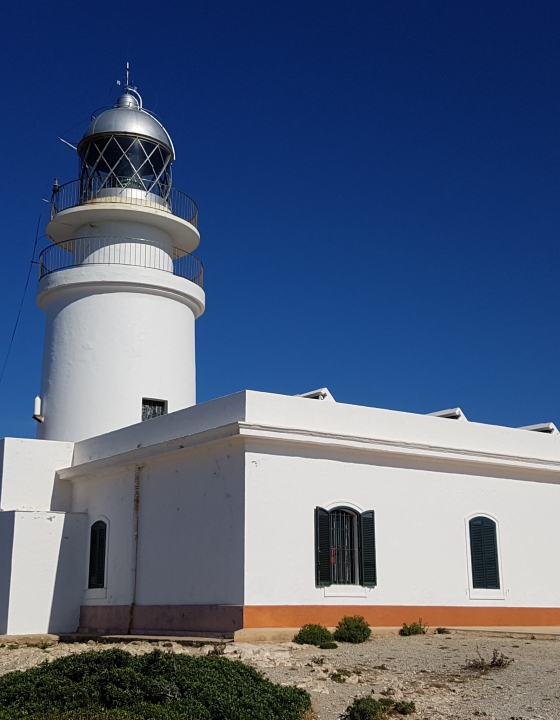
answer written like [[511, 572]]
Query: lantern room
[[126, 150]]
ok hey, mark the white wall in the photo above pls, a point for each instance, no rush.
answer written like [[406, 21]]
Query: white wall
[[109, 497], [27, 473], [44, 588], [420, 532], [191, 524], [190, 529]]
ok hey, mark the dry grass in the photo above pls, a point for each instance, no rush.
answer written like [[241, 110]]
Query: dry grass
[[499, 660]]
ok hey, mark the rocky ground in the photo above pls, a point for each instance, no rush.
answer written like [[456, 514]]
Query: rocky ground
[[430, 670]]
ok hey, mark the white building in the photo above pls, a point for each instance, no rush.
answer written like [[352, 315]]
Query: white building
[[138, 511]]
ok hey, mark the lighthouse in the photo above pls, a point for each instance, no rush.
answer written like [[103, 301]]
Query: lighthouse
[[119, 284]]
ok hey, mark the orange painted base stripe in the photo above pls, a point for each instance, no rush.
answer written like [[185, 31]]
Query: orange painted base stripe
[[279, 616]]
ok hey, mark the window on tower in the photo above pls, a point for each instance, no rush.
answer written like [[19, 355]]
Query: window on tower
[[153, 408]]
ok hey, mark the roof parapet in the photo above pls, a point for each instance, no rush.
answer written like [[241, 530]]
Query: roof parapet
[[320, 394], [546, 428], [450, 414]]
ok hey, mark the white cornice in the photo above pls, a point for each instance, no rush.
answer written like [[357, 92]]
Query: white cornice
[[396, 447], [287, 436]]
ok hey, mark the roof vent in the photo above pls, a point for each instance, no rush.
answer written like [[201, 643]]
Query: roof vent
[[320, 394], [451, 414], [547, 428]]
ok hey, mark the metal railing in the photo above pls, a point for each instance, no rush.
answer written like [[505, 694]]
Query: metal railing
[[72, 194], [113, 250]]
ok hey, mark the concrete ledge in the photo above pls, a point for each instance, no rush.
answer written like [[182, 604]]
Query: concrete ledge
[[540, 632], [166, 620], [44, 639], [110, 639], [277, 635], [264, 635]]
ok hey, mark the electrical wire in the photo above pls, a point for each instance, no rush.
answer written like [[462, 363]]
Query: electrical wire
[[22, 299], [32, 262]]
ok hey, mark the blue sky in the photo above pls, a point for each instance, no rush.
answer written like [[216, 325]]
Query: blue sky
[[378, 184]]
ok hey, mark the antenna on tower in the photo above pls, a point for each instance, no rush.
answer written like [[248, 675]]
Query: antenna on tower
[[127, 84], [128, 88]]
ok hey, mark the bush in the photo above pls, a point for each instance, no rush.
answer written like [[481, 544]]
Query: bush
[[367, 708], [442, 631], [415, 628], [340, 676], [313, 635], [115, 685], [352, 629], [499, 660], [328, 646], [186, 710], [404, 708]]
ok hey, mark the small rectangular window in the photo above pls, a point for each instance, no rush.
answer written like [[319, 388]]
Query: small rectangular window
[[153, 408]]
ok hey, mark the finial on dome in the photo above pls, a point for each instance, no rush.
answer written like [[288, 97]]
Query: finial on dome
[[127, 100]]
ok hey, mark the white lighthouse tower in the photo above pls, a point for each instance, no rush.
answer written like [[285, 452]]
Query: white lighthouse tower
[[119, 286]]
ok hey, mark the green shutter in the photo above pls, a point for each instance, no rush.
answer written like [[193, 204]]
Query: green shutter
[[477, 553], [322, 548], [97, 545], [491, 554], [368, 565], [484, 553]]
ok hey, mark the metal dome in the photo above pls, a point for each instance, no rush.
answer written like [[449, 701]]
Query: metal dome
[[127, 117]]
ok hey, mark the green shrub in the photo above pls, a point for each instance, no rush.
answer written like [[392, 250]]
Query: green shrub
[[415, 628], [367, 708], [442, 631], [115, 685], [328, 646], [404, 708], [352, 629], [313, 635], [184, 710], [340, 676], [386, 703]]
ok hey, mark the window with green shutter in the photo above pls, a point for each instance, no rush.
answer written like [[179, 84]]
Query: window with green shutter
[[484, 553], [345, 547], [368, 563], [97, 549]]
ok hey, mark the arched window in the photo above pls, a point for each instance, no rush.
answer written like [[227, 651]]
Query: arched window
[[97, 549], [484, 553], [345, 547]]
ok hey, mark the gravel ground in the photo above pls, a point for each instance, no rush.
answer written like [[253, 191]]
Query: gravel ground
[[430, 670]]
